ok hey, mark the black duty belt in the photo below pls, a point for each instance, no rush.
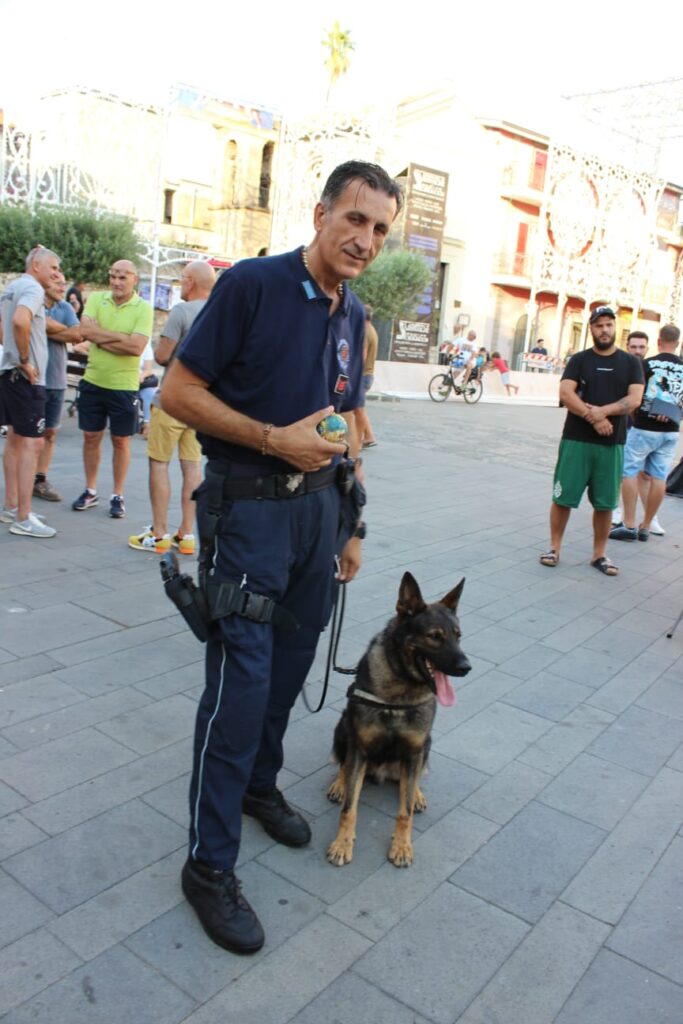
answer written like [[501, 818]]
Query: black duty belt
[[284, 485]]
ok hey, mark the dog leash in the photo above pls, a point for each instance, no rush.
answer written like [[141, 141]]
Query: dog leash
[[335, 635]]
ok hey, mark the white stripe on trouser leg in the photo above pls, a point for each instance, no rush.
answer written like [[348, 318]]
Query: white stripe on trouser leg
[[201, 758]]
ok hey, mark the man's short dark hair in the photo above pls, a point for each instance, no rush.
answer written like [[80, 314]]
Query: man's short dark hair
[[637, 334], [358, 170], [669, 334]]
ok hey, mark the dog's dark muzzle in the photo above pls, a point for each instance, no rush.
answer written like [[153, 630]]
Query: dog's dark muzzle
[[462, 667], [458, 665]]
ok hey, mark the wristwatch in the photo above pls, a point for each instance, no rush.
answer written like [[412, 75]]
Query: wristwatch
[[361, 530], [23, 360]]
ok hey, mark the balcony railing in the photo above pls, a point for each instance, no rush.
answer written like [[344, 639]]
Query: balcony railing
[[524, 176], [655, 294], [514, 264]]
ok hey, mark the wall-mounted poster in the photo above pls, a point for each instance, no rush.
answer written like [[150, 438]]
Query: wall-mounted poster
[[423, 230], [163, 297]]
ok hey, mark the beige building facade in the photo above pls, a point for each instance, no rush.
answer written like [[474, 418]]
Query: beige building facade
[[200, 172], [537, 232]]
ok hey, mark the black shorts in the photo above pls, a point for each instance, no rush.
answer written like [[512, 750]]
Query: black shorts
[[97, 405], [22, 404]]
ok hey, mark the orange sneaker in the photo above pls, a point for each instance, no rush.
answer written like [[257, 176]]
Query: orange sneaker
[[184, 544]]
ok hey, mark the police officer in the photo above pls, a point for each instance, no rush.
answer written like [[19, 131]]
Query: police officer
[[277, 347]]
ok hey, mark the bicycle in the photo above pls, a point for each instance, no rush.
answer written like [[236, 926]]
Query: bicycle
[[441, 385]]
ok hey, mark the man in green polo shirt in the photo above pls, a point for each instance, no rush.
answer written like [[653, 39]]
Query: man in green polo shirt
[[117, 326]]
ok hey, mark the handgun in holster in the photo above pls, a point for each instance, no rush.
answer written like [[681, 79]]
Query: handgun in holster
[[186, 596]]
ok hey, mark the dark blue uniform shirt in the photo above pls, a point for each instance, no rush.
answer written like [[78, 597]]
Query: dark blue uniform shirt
[[267, 347]]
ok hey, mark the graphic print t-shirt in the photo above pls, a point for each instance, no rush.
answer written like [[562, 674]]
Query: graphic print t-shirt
[[663, 380]]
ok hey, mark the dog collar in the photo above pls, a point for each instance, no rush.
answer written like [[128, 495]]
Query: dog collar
[[363, 697]]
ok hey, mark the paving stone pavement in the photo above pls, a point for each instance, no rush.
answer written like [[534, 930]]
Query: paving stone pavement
[[547, 879]]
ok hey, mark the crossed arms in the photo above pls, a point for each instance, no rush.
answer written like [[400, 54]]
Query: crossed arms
[[111, 341], [597, 415]]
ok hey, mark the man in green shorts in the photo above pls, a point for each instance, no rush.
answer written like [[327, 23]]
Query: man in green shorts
[[599, 388], [117, 325]]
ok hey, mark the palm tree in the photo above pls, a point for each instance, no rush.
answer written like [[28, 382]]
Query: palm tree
[[339, 44]]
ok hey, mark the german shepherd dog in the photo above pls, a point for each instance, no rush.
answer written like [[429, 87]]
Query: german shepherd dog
[[385, 729]]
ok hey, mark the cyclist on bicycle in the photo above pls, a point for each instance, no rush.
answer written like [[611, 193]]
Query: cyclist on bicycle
[[477, 360], [463, 353]]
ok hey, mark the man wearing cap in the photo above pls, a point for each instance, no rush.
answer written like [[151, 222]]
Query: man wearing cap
[[599, 388]]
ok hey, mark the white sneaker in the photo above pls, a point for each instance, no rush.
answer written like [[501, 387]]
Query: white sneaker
[[617, 517], [8, 515], [32, 527], [656, 528]]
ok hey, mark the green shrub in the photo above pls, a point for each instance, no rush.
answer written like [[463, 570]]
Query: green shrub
[[87, 243], [393, 283]]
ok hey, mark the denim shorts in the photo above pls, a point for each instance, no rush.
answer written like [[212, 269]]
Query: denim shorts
[[54, 402], [651, 450]]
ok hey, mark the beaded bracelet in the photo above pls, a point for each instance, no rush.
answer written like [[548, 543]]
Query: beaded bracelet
[[267, 427]]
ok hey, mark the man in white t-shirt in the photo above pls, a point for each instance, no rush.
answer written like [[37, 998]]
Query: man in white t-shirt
[[468, 353]]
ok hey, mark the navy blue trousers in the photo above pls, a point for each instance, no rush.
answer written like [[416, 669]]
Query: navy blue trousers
[[285, 550]]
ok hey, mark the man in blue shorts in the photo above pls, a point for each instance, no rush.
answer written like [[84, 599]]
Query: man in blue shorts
[[599, 388], [278, 346], [62, 330], [652, 440]]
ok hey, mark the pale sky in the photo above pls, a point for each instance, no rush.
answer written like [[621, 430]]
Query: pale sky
[[270, 52]]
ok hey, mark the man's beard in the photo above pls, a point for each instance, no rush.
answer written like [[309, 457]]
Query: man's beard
[[603, 345]]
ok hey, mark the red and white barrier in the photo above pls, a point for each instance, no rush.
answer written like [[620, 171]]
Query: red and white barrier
[[536, 361]]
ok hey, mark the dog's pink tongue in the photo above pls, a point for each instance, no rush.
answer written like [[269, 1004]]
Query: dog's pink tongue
[[445, 694]]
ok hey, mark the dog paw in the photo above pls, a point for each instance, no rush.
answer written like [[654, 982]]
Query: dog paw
[[336, 792], [420, 802], [401, 853], [340, 852]]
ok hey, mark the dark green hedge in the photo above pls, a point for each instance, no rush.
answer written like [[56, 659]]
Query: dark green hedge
[[87, 243]]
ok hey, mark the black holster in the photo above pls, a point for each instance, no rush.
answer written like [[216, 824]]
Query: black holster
[[231, 599], [186, 596], [212, 600], [353, 497], [200, 607]]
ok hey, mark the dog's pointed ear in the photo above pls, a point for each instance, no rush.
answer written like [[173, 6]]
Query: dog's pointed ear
[[409, 597], [451, 599]]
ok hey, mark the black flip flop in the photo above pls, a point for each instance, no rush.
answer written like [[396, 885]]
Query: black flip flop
[[606, 567]]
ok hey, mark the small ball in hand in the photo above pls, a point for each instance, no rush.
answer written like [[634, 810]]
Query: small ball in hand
[[333, 428]]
